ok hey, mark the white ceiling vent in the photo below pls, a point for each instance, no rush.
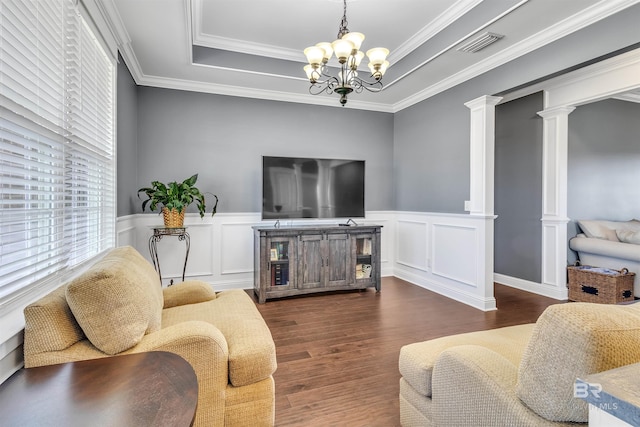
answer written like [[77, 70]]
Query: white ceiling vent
[[480, 42]]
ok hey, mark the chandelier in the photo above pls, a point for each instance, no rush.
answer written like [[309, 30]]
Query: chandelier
[[349, 56]]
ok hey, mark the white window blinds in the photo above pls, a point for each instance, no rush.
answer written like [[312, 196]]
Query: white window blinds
[[57, 168]]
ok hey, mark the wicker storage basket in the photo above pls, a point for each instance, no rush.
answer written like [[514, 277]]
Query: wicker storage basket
[[173, 218], [600, 285]]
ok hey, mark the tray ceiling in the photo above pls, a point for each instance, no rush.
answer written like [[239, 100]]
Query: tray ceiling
[[253, 48]]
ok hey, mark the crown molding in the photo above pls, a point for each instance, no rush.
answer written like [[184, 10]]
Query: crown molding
[[247, 47], [446, 18], [586, 17], [244, 92], [629, 97], [452, 14], [576, 22], [235, 45]]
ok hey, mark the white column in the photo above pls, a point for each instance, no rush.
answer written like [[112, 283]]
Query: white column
[[554, 198], [482, 152], [482, 161]]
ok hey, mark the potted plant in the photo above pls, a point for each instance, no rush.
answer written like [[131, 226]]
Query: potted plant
[[174, 198]]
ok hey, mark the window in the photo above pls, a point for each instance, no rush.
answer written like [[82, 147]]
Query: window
[[57, 143]]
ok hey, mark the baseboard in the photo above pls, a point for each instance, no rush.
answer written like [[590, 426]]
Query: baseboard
[[533, 287], [484, 304]]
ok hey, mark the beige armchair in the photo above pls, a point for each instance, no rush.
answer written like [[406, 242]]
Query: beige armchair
[[118, 307], [517, 376]]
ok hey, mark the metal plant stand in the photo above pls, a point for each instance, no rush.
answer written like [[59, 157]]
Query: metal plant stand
[[158, 234]]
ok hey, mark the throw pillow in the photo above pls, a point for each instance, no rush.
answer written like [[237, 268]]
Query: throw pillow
[[571, 341], [598, 230], [115, 302], [42, 334], [629, 236]]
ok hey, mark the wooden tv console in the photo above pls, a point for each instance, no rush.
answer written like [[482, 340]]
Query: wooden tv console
[[307, 259]]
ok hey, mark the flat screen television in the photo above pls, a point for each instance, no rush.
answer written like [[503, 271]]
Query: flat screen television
[[294, 187]]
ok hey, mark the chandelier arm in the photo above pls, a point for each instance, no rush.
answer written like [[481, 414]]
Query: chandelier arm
[[372, 87], [326, 86]]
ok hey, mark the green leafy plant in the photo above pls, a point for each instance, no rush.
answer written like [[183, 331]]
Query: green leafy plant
[[176, 195]]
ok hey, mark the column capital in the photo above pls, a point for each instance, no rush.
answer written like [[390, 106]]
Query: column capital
[[556, 112], [483, 101]]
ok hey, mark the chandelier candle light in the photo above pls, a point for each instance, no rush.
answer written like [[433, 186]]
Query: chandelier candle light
[[347, 51]]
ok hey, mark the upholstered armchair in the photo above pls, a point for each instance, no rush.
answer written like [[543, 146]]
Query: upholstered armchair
[[520, 375], [117, 307]]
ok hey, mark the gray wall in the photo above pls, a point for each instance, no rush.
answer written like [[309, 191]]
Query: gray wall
[[431, 139], [127, 148], [604, 162], [518, 188], [223, 139]]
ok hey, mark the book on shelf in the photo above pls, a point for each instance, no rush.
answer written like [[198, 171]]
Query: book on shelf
[[363, 271], [279, 274], [279, 251]]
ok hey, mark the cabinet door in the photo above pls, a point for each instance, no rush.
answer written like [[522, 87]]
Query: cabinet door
[[280, 267], [363, 250], [310, 261], [338, 259]]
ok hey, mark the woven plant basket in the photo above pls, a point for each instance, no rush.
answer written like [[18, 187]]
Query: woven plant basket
[[173, 218]]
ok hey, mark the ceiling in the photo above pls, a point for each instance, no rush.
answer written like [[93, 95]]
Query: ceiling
[[253, 48]]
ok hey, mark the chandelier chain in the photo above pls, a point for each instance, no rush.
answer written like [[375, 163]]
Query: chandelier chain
[[343, 24]]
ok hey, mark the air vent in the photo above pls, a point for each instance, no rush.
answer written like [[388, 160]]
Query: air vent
[[480, 42]]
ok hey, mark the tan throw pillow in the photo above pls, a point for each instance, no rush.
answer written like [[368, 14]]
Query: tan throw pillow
[[49, 325], [572, 341], [115, 302]]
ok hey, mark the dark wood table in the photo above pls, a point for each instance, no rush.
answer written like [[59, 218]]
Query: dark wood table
[[145, 389]]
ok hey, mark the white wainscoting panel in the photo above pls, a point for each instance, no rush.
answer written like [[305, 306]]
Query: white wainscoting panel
[[222, 247], [455, 254], [237, 242], [126, 231], [416, 254], [448, 254]]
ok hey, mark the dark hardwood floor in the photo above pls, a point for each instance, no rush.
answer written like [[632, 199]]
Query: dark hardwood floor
[[338, 352]]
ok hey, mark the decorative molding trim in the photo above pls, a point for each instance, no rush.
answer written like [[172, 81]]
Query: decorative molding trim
[[246, 47], [226, 271], [452, 14], [590, 15], [446, 18], [398, 256], [597, 12], [629, 97], [533, 287], [481, 303], [435, 266], [244, 92]]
